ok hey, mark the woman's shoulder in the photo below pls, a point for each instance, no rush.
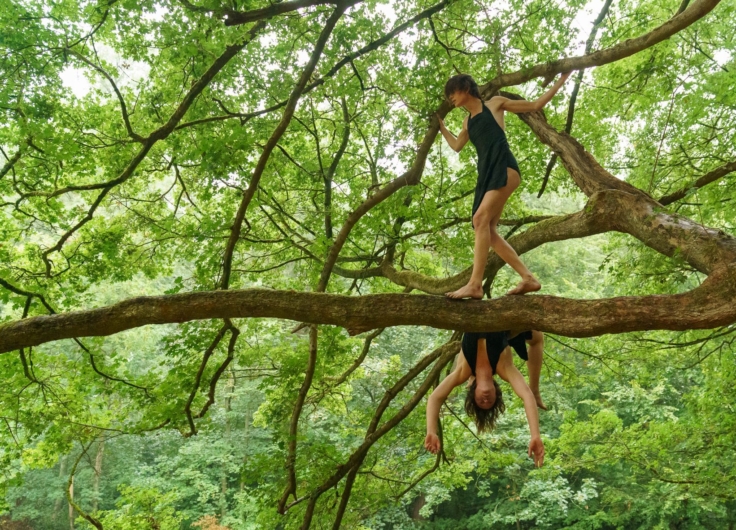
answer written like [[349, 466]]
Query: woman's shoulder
[[495, 102]]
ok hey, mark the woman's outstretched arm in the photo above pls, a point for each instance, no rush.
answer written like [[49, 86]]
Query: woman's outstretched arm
[[511, 375], [455, 143], [458, 376], [518, 107]]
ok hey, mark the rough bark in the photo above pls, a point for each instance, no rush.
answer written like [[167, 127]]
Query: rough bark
[[575, 90], [708, 306], [705, 249]]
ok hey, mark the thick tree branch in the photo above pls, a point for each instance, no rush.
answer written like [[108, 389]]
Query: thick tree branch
[[582, 224], [703, 248], [709, 305], [585, 170], [29, 298], [575, 89]]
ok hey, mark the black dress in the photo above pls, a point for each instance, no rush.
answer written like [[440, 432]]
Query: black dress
[[494, 154], [496, 342]]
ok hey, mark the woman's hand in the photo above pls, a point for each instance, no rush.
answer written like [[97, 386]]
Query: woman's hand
[[536, 451], [442, 122], [432, 443], [564, 77]]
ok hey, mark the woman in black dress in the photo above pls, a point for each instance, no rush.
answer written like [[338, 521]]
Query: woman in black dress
[[482, 356], [498, 174]]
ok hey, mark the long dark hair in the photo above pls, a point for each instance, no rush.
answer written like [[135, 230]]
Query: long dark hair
[[485, 419], [462, 83]]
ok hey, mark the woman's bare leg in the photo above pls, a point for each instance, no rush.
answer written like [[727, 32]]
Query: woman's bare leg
[[534, 365], [485, 221]]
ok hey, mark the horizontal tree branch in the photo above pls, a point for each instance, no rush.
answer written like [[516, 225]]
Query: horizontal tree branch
[[708, 306]]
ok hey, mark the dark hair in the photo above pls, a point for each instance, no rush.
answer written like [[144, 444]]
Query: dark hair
[[462, 83], [485, 419]]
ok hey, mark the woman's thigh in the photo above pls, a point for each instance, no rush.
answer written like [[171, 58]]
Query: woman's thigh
[[494, 200]]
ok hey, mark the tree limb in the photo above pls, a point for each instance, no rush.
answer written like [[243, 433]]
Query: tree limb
[[290, 488], [707, 306], [629, 47], [235, 18], [296, 93], [575, 89], [444, 355], [709, 177]]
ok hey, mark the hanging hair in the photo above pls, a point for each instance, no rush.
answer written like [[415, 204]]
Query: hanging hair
[[462, 83], [485, 419]]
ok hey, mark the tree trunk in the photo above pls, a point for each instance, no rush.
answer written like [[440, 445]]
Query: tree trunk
[[59, 500], [71, 508], [223, 476], [98, 474], [416, 506]]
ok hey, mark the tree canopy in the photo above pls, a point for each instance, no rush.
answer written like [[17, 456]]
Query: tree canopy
[[224, 227]]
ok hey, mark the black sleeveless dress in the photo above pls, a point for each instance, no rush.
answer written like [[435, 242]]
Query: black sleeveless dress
[[496, 342], [494, 154]]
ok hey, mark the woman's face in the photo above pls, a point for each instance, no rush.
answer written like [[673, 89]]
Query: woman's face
[[485, 394], [459, 99]]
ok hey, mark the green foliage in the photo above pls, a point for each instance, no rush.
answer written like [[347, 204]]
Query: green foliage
[[141, 508], [641, 427]]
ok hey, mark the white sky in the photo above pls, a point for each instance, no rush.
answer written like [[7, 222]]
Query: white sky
[[131, 73]]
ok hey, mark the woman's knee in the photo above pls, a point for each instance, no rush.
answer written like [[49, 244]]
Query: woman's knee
[[537, 338], [481, 219]]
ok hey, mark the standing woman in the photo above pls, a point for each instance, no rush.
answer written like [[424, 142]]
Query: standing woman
[[498, 174]]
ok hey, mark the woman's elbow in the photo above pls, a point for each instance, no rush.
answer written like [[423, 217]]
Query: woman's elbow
[[528, 398]]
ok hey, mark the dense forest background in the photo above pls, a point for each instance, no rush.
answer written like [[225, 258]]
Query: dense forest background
[[130, 133]]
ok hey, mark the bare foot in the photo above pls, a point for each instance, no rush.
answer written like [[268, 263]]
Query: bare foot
[[540, 403], [469, 291], [527, 285]]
